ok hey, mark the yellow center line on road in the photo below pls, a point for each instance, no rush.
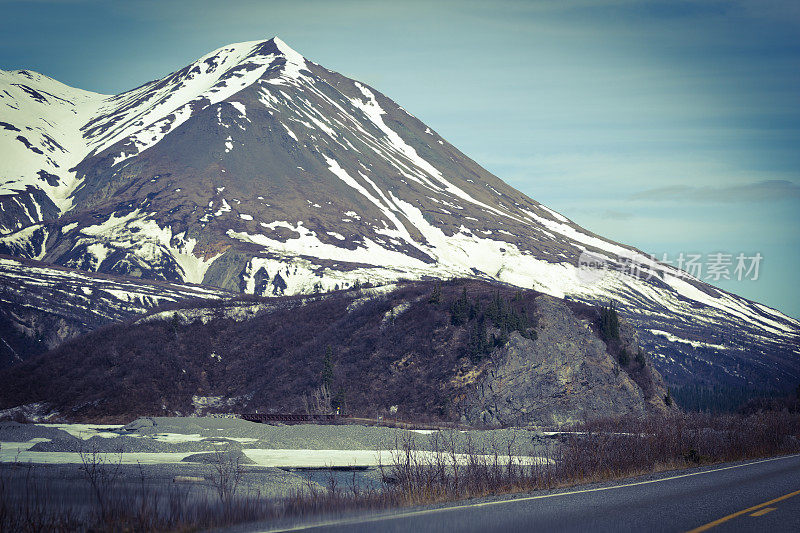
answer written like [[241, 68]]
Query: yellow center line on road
[[764, 511], [724, 519], [411, 514]]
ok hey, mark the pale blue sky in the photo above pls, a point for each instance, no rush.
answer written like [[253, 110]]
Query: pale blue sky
[[670, 125]]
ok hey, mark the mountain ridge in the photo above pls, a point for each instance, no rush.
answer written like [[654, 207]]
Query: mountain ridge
[[256, 170], [456, 350]]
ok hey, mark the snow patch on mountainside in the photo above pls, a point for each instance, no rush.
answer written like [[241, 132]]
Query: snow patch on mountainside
[[40, 138], [308, 244], [27, 242], [373, 110], [136, 231], [194, 267], [294, 62], [696, 344]]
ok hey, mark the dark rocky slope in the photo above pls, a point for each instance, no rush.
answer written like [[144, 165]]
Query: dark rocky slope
[[42, 305], [463, 350]]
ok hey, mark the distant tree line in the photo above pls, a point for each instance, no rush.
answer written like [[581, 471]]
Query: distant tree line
[[721, 398]]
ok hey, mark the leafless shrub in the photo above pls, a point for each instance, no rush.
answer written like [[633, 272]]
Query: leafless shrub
[[319, 403], [28, 505], [590, 451], [225, 473], [101, 472], [603, 448]]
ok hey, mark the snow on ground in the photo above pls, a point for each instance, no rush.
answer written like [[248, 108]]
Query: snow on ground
[[374, 112], [281, 458], [114, 294], [294, 63], [87, 431], [48, 115], [240, 107], [170, 440], [137, 231], [308, 244], [558, 216], [696, 344], [175, 437], [343, 458], [163, 105], [19, 455], [729, 305], [28, 239]]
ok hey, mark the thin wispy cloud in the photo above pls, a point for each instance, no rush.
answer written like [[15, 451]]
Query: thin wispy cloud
[[763, 191], [613, 214]]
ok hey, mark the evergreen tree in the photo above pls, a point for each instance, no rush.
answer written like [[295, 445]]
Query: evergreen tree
[[339, 401], [609, 323], [478, 345], [475, 309], [436, 295], [460, 309], [496, 310], [499, 313]]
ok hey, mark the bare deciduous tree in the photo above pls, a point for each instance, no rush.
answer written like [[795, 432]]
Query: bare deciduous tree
[[320, 401], [101, 473], [225, 473]]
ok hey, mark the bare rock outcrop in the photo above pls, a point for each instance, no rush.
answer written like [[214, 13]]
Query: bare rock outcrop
[[565, 374]]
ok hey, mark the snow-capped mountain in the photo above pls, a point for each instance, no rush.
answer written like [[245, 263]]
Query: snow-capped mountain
[[255, 169]]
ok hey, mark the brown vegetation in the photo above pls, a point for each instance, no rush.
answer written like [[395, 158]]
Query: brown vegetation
[[370, 358], [596, 450]]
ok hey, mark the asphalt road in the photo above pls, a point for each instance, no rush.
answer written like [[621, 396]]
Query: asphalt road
[[761, 496]]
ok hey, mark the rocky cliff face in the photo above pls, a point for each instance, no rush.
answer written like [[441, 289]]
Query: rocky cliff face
[[563, 375]]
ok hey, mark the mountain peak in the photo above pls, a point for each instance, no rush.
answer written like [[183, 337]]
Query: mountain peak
[[274, 45], [283, 47], [262, 52], [294, 60]]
